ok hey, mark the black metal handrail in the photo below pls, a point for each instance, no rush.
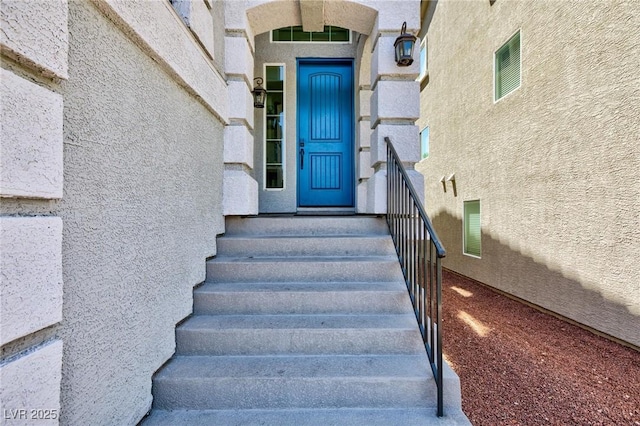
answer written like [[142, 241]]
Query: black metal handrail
[[420, 253]]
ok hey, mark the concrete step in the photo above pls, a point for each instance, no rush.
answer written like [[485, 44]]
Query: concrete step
[[307, 417], [299, 335], [306, 225], [301, 298], [308, 269], [365, 245], [257, 382], [302, 321]]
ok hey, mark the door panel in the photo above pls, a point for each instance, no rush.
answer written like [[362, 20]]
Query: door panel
[[325, 133]]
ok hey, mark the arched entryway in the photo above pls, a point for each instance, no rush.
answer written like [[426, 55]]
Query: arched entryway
[[385, 98]]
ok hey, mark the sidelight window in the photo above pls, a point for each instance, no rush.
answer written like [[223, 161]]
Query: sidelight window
[[274, 122]]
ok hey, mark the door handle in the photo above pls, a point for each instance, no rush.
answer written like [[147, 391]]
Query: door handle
[[301, 158]]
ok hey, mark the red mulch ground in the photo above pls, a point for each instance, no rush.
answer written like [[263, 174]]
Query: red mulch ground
[[520, 366]]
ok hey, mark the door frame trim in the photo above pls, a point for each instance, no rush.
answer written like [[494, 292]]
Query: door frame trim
[[354, 157]]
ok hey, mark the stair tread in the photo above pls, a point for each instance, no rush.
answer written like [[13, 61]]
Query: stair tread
[[339, 367], [270, 287], [371, 416], [295, 259], [287, 321], [350, 237], [355, 225]]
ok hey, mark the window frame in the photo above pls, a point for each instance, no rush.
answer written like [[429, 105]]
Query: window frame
[[283, 123], [464, 227], [424, 72], [495, 53], [350, 41]]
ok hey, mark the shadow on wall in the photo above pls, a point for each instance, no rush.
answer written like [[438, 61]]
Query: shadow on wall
[[520, 275]]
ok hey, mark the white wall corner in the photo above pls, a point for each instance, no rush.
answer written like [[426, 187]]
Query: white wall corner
[[197, 16], [31, 387], [31, 280], [35, 34], [239, 194], [363, 60], [241, 106], [365, 102], [377, 193], [395, 100], [238, 145], [364, 165], [236, 20], [417, 180], [405, 139], [364, 134], [361, 194], [31, 139], [238, 58]]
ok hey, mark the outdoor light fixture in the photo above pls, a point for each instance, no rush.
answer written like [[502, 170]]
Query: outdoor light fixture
[[404, 47], [259, 93]]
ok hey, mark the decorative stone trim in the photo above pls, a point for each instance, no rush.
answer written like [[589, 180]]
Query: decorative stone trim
[[35, 34], [30, 139], [31, 264]]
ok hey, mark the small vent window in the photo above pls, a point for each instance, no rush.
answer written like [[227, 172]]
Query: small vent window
[[472, 233], [424, 71], [331, 34], [424, 143], [507, 67]]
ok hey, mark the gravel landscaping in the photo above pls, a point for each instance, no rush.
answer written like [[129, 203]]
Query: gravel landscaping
[[520, 366]]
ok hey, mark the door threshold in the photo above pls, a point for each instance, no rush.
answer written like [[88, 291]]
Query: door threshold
[[329, 211]]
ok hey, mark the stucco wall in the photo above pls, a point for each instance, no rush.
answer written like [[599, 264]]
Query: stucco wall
[[554, 164], [286, 53], [141, 207], [34, 41]]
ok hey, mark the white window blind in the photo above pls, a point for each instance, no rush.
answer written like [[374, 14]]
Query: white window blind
[[507, 67], [472, 233]]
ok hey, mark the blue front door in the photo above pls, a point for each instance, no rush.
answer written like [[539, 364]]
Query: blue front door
[[325, 133]]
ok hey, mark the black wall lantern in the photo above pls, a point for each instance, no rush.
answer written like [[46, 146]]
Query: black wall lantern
[[259, 93], [404, 47]]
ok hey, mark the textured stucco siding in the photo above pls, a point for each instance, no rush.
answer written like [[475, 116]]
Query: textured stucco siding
[[278, 201], [141, 208], [30, 391], [555, 163], [30, 275], [34, 47], [30, 139], [34, 33]]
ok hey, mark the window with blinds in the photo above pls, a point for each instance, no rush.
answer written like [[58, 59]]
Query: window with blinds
[[507, 67], [472, 233]]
